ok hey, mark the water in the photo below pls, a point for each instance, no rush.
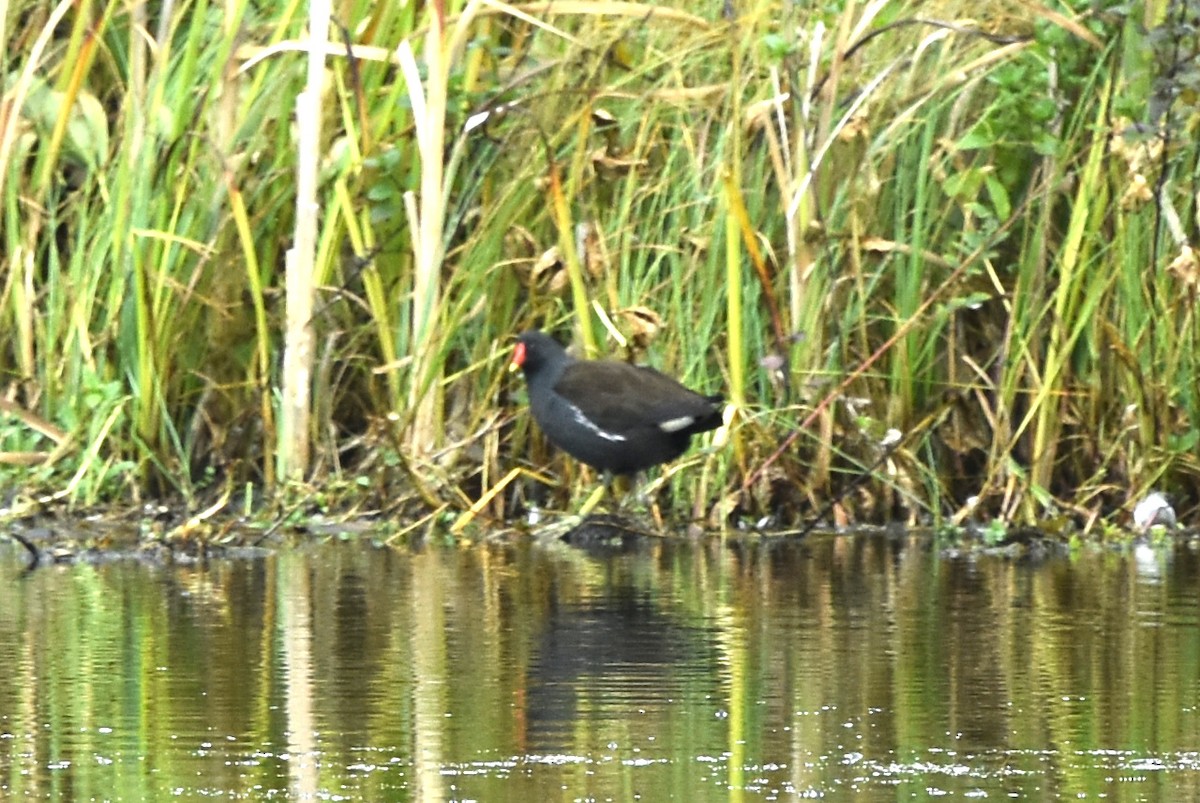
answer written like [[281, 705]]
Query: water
[[836, 667]]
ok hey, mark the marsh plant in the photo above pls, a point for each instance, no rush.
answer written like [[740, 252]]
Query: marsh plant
[[245, 248]]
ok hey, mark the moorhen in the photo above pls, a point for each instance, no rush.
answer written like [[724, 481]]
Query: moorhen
[[614, 416]]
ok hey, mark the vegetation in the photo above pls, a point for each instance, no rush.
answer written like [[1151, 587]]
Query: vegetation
[[866, 218]]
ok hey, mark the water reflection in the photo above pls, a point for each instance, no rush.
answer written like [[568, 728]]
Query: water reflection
[[873, 666]]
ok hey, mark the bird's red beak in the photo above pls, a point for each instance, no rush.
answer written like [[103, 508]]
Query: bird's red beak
[[518, 357]]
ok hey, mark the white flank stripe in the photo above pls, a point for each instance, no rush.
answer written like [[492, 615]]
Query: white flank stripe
[[590, 424]]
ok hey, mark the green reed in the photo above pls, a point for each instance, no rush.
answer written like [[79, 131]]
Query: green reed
[[847, 225]]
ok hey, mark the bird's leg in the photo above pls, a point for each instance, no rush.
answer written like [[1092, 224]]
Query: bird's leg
[[612, 487], [636, 487], [647, 494], [594, 499], [656, 514]]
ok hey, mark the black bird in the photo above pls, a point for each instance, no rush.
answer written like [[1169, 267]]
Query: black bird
[[614, 416]]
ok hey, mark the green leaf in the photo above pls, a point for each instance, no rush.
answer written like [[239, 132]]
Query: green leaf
[[777, 46], [999, 195], [978, 137]]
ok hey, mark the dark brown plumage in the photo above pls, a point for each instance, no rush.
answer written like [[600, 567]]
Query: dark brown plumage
[[614, 416]]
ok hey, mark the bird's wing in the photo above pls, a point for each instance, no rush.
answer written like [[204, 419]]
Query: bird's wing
[[619, 397]]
